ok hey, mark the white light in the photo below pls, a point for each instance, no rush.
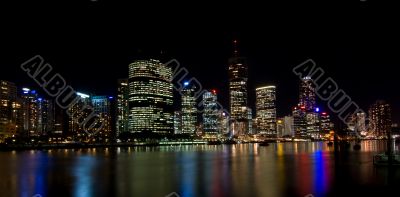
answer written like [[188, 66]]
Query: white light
[[26, 89], [82, 95]]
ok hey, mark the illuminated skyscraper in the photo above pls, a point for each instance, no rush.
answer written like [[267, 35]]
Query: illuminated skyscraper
[[210, 113], [307, 94], [46, 116], [189, 111], [326, 124], [177, 122], [266, 110], [300, 122], [9, 108], [250, 128], [313, 124], [223, 122], [238, 93], [307, 111], [78, 111], [122, 123], [150, 97], [30, 112], [102, 108], [380, 118]]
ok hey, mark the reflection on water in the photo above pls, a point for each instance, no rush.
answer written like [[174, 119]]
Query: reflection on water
[[282, 169]]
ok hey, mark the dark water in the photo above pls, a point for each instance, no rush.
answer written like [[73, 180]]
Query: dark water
[[283, 169]]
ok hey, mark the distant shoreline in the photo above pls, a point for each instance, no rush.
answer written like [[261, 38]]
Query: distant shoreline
[[14, 147]]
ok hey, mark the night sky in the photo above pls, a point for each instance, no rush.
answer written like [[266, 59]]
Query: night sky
[[91, 43]]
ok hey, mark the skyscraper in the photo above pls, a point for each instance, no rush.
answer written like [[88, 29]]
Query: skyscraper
[[326, 124], [8, 109], [46, 116], [300, 122], [150, 97], [210, 112], [30, 112], [122, 123], [189, 111], [313, 124], [266, 110], [223, 122], [177, 122], [238, 92], [307, 94], [77, 112], [307, 111], [380, 119], [102, 108]]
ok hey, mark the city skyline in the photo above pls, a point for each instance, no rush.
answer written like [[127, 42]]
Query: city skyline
[[352, 57]]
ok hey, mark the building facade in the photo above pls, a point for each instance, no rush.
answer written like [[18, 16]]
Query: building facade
[[266, 110], [380, 119], [189, 110], [150, 97], [210, 112], [102, 108], [122, 119], [238, 76]]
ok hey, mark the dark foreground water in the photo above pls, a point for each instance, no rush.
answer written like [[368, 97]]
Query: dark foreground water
[[283, 169]]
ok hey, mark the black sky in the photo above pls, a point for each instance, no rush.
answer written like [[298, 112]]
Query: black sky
[[92, 43]]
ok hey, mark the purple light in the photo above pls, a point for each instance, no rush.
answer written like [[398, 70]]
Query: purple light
[[317, 109], [40, 99], [110, 97]]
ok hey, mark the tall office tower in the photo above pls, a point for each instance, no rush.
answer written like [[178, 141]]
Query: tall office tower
[[210, 112], [150, 97], [250, 128], [45, 116], [326, 124], [223, 122], [102, 108], [8, 99], [289, 128], [300, 122], [189, 111], [266, 110], [307, 94], [313, 124], [77, 112], [238, 92], [380, 118], [177, 122], [122, 122], [30, 109]]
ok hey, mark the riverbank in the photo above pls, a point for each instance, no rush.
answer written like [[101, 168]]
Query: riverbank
[[11, 147]]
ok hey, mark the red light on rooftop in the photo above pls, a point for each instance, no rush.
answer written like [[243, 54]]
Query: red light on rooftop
[[214, 91], [323, 113], [302, 107]]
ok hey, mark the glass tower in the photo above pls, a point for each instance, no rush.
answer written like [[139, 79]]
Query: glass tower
[[150, 97], [266, 110]]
